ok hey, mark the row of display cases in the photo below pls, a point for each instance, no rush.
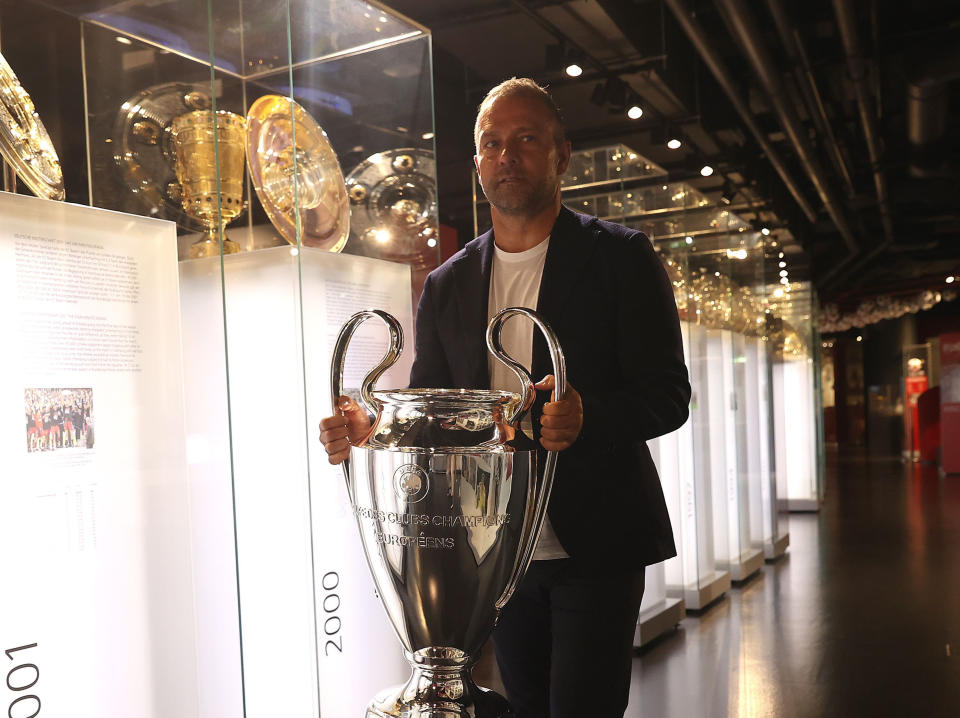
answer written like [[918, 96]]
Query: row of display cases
[[751, 449]]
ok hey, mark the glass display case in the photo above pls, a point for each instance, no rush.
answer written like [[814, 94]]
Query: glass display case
[[288, 146], [796, 396]]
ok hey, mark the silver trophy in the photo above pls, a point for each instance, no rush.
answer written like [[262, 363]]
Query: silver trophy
[[449, 503]]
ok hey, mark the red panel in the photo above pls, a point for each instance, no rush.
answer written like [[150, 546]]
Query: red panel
[[950, 403]]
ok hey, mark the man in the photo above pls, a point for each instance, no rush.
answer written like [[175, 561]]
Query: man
[[564, 641]]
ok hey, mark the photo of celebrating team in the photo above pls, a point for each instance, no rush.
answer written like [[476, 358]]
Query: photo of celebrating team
[[58, 419]]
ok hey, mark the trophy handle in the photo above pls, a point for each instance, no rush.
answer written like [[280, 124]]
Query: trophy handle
[[369, 381], [542, 498]]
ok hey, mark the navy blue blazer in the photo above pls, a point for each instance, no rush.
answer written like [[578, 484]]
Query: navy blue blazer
[[607, 296]]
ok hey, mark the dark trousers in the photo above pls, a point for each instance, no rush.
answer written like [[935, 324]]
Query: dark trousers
[[564, 642]]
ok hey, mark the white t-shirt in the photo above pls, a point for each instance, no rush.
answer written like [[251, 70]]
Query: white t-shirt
[[515, 282]]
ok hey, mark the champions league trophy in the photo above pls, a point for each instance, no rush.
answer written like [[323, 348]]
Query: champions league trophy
[[449, 503], [199, 138]]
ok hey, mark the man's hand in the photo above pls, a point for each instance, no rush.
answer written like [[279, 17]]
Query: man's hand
[[562, 420], [339, 431]]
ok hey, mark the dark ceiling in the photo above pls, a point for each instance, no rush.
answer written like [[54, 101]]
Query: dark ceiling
[[837, 120]]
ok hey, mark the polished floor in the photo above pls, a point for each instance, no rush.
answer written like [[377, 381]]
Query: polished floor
[[860, 618]]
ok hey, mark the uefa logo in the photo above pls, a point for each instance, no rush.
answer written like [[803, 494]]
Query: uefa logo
[[411, 483]]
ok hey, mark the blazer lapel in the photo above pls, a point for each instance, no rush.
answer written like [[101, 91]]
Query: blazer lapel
[[472, 273], [571, 246]]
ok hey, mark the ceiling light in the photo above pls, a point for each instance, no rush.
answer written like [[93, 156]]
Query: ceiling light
[[784, 280], [783, 272], [782, 265], [765, 231], [688, 240], [777, 293], [859, 338], [737, 253], [635, 112], [382, 236], [574, 70], [706, 170], [427, 135], [124, 40], [950, 279], [674, 144], [780, 255], [431, 243]]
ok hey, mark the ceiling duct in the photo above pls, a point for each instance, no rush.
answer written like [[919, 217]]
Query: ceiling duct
[[746, 33], [803, 73], [698, 38], [857, 68], [927, 113]]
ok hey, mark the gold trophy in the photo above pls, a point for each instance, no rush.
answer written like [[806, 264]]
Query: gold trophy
[[199, 139]]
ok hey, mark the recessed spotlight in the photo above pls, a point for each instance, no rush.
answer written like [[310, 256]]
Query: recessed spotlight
[[780, 255], [783, 272], [574, 70], [382, 236], [431, 243], [124, 40], [635, 112], [782, 265], [706, 170], [859, 338], [765, 231], [674, 144], [427, 135], [688, 240], [951, 279]]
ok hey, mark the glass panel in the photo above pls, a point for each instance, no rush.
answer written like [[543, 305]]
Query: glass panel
[[154, 122]]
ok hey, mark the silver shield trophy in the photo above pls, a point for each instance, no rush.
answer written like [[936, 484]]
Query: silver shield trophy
[[449, 503]]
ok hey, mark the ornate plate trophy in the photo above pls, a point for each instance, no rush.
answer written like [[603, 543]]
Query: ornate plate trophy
[[200, 139], [393, 200], [449, 503], [144, 150], [285, 143], [24, 141]]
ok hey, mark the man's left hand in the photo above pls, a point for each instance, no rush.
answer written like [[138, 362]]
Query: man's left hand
[[562, 420]]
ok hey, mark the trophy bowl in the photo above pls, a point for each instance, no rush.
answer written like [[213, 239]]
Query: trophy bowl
[[449, 500], [210, 148], [144, 151]]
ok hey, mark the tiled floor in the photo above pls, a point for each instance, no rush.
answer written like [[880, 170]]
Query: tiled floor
[[860, 618]]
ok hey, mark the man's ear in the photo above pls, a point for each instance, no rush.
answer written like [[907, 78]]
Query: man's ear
[[476, 163], [563, 157]]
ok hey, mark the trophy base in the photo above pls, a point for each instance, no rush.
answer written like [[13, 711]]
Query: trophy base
[[211, 248], [439, 691]]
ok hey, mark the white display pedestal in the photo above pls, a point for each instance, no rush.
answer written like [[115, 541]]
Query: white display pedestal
[[658, 612], [97, 609], [693, 575], [735, 553], [315, 638], [764, 513], [795, 435], [755, 450]]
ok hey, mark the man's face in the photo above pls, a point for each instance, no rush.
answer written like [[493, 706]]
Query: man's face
[[518, 159]]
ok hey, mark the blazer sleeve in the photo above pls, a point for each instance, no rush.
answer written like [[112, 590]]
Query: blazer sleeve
[[651, 394], [430, 367]]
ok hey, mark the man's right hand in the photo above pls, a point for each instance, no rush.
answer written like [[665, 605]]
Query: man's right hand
[[348, 427]]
